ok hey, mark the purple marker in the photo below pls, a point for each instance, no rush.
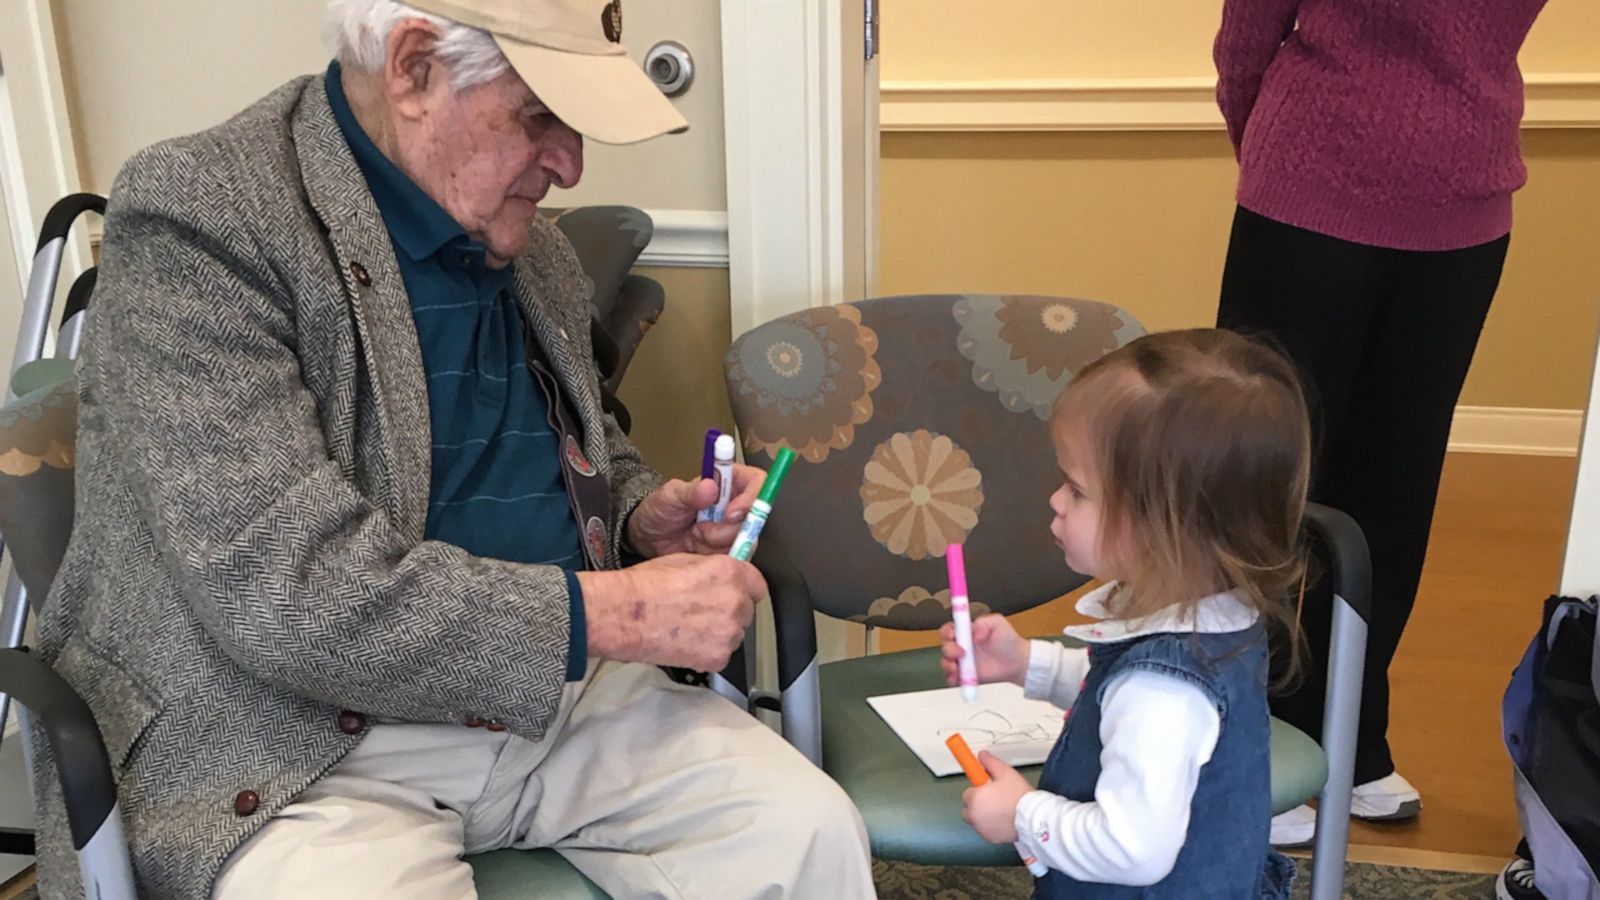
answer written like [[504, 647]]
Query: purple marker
[[708, 467], [709, 459]]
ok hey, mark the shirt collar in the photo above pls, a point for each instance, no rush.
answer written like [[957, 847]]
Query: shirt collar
[[1217, 614], [416, 222]]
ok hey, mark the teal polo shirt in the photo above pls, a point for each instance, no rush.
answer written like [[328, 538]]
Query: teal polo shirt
[[497, 489]]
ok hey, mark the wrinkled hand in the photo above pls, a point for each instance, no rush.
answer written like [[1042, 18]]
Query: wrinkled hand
[[678, 610], [991, 810], [664, 522], [1002, 653]]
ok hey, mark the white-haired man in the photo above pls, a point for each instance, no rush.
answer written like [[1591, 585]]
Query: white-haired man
[[345, 591]]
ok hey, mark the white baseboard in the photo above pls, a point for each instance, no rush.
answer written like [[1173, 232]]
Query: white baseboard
[[1516, 430], [1178, 103], [684, 238], [688, 238]]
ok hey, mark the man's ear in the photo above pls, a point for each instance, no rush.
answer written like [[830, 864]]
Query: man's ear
[[411, 71]]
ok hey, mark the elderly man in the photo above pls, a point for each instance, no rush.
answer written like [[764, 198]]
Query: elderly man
[[345, 590]]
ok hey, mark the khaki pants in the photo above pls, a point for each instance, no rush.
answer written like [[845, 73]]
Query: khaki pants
[[650, 788]]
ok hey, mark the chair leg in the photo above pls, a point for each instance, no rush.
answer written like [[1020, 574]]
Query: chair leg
[[1341, 714], [802, 713], [736, 683], [104, 863], [13, 624]]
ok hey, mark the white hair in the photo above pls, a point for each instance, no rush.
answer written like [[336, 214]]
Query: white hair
[[357, 34]]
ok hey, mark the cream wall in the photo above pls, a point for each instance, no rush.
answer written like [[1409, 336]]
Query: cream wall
[[11, 283], [1140, 218], [139, 72], [674, 386], [1021, 39]]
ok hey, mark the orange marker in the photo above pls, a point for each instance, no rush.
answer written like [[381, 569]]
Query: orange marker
[[967, 759], [980, 777]]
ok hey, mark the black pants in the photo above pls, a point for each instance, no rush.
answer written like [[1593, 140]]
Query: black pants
[[1383, 339]]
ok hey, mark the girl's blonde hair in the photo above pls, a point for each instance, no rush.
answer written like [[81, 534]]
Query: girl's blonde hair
[[1200, 445]]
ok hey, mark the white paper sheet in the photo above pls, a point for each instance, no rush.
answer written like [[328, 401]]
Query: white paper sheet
[[1003, 721]]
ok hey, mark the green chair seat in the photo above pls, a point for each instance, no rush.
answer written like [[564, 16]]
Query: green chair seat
[[1299, 767], [913, 816], [40, 373], [530, 875]]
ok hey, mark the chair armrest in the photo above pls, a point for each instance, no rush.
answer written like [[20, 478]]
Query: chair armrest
[[1351, 563], [639, 303], [74, 739], [607, 355], [794, 623], [1348, 551]]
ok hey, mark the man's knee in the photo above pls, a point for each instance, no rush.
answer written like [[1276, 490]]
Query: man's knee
[[805, 802]]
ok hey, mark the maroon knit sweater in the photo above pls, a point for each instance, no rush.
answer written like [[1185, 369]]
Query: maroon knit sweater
[[1393, 123]]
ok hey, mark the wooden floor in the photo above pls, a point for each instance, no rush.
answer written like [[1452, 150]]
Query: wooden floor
[[1498, 538], [16, 886]]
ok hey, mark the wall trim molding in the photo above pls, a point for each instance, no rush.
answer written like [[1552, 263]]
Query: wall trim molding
[[1179, 103], [688, 238], [684, 238], [1516, 430]]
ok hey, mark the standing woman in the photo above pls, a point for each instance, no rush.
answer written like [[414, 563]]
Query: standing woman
[[1378, 145]]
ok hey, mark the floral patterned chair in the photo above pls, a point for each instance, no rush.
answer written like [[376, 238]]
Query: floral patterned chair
[[920, 421], [923, 421]]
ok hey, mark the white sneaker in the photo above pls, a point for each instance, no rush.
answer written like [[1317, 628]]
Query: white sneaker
[[1295, 828], [1386, 799]]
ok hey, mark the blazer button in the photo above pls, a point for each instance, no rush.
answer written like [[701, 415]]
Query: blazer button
[[360, 273], [351, 722], [496, 726], [245, 803], [473, 722]]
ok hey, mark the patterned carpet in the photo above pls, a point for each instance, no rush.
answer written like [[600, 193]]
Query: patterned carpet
[[904, 881]]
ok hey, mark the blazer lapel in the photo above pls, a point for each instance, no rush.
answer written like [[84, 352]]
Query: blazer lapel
[[371, 277], [558, 335]]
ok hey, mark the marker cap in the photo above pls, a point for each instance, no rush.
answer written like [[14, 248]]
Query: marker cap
[[955, 561]]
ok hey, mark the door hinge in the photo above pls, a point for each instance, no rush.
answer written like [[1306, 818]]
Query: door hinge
[[871, 7]]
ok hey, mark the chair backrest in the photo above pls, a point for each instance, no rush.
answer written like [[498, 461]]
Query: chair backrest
[[38, 434], [608, 241], [920, 421]]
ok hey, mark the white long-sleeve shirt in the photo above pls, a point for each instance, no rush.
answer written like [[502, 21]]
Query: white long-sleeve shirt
[[1156, 733]]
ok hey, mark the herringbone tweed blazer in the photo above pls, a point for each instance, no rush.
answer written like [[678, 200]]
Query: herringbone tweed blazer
[[253, 473]]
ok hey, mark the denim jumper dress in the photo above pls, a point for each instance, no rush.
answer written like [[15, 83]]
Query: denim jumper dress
[[1226, 854]]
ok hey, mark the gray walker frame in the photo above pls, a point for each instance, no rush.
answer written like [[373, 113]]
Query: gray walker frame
[[48, 702]]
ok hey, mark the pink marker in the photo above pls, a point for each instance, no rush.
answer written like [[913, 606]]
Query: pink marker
[[962, 613]]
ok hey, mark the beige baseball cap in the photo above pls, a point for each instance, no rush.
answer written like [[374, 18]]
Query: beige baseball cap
[[570, 53]]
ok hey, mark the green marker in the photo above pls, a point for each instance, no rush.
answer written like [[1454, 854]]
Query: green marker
[[744, 546]]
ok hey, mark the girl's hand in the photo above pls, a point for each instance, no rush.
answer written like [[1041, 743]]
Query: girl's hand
[[1002, 653], [991, 810]]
